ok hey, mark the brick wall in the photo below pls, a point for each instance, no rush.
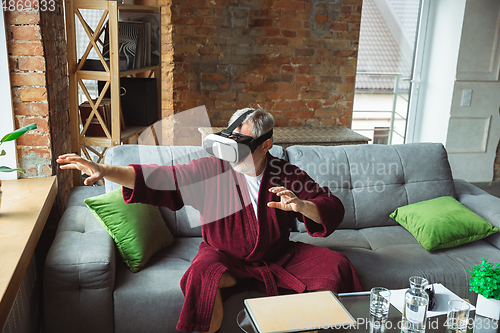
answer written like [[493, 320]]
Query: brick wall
[[29, 90], [54, 41], [295, 58], [36, 43]]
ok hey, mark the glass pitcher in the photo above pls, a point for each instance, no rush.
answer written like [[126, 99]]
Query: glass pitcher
[[416, 304]]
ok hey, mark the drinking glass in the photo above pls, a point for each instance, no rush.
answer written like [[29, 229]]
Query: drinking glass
[[380, 300], [458, 315]]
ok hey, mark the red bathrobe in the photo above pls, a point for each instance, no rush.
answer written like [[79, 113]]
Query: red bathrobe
[[237, 241]]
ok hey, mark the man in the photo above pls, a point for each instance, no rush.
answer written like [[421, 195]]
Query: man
[[255, 204]]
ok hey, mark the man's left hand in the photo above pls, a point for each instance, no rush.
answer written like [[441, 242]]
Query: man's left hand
[[288, 200]]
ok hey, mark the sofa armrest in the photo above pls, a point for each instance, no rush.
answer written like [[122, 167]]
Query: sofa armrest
[[481, 203], [79, 275]]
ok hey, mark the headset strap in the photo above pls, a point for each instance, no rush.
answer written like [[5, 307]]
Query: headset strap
[[257, 142], [228, 131]]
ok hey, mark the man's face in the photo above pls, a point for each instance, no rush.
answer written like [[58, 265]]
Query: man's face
[[252, 162]]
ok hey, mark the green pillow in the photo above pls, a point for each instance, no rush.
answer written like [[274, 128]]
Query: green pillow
[[137, 229], [442, 223]]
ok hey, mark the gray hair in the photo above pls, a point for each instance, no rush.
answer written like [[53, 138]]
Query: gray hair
[[260, 120]]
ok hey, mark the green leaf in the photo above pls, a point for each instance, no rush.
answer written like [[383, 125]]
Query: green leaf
[[7, 169], [485, 279], [17, 133], [2, 153]]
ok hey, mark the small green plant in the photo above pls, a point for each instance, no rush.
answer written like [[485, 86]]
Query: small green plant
[[12, 136], [485, 279]]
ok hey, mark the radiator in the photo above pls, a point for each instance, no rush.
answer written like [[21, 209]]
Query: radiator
[[24, 314]]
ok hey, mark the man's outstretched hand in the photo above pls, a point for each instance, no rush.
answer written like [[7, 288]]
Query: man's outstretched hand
[[73, 161], [122, 175], [290, 202]]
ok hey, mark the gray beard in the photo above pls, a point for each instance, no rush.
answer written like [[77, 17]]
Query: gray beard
[[244, 167]]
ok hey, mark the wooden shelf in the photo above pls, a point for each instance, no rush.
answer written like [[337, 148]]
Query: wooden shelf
[[104, 76], [93, 75], [127, 133], [139, 9], [109, 12], [98, 4], [131, 131], [139, 70]]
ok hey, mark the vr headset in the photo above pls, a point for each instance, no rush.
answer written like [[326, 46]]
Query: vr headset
[[233, 147]]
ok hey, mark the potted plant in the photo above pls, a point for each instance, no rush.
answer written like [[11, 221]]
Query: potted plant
[[485, 280], [9, 137]]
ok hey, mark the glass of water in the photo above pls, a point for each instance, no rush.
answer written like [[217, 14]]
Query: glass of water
[[458, 315], [380, 300]]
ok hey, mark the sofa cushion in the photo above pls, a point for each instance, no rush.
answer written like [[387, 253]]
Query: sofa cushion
[[137, 229], [81, 254], [79, 274], [388, 256], [79, 193], [151, 300], [161, 155], [481, 203], [373, 180], [442, 223], [393, 265], [186, 221], [372, 239]]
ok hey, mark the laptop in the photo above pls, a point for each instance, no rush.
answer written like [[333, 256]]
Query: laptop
[[298, 312]]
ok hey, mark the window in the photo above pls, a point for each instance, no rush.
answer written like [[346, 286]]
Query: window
[[388, 32], [381, 135], [6, 113]]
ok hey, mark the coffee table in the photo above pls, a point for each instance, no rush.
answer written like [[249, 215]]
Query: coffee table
[[358, 305]]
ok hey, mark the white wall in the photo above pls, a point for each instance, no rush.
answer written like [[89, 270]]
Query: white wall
[[442, 42], [474, 131]]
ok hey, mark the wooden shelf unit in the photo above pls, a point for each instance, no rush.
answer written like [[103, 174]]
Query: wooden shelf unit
[[111, 75]]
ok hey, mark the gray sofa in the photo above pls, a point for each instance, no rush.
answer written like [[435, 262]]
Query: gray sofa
[[87, 288]]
